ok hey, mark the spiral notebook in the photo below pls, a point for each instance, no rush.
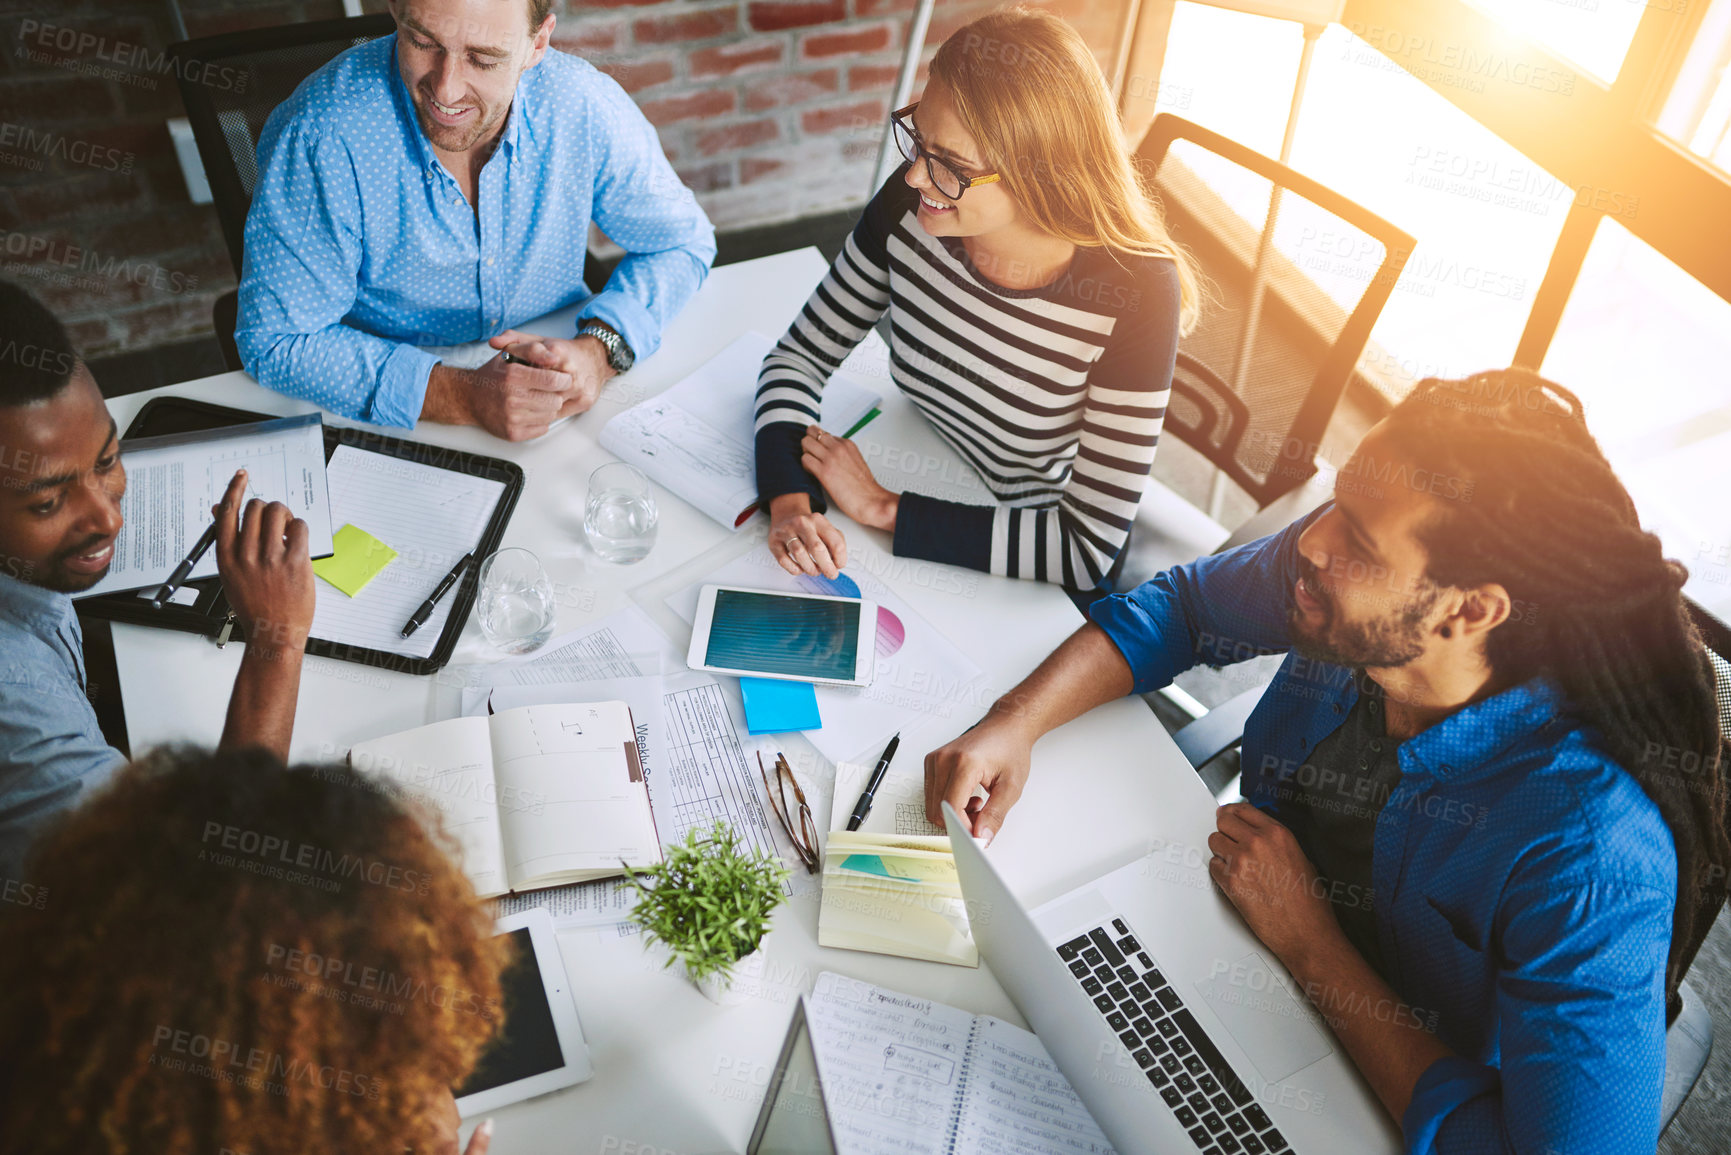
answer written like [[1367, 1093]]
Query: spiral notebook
[[906, 1074]]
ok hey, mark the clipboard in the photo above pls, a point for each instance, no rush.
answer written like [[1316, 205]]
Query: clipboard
[[208, 614]]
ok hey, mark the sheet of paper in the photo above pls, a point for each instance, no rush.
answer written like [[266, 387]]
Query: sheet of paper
[[898, 806], [1018, 1102], [171, 483], [448, 767], [578, 905], [919, 672], [711, 776], [891, 1066], [358, 559], [430, 516], [625, 644], [697, 438]]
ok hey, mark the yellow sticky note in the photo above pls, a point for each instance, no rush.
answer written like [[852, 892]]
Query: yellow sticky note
[[358, 559]]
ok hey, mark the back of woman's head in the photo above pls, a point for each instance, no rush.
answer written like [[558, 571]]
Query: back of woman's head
[[1029, 91], [229, 953]]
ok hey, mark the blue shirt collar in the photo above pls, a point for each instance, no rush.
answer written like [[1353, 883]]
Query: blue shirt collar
[[43, 610], [1469, 743], [516, 118]]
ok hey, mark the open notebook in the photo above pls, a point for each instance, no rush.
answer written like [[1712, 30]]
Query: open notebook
[[537, 796], [910, 1075]]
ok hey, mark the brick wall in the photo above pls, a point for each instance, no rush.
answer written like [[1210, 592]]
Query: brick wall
[[769, 110]]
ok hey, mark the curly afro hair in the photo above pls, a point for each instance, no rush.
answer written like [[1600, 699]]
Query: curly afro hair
[[225, 952]]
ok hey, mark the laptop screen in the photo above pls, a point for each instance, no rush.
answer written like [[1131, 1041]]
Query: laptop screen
[[793, 1120]]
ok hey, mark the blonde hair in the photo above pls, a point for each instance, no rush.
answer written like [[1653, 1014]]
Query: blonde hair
[[1031, 94]]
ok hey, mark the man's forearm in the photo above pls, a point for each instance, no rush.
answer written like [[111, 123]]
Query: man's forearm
[[1391, 1042], [447, 400], [1086, 671], [261, 709]]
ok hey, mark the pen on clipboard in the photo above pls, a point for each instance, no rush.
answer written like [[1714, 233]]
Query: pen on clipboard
[[420, 616], [184, 569]]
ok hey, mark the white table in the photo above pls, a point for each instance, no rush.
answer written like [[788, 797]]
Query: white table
[[674, 1073]]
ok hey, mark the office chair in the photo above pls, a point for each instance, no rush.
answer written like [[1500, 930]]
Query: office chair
[[1297, 275], [227, 119], [1689, 1036]]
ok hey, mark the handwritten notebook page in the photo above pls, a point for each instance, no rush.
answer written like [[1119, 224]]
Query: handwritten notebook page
[[892, 1067], [1017, 1102], [430, 516], [905, 1075]]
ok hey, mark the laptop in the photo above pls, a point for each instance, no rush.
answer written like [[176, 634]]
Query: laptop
[[1177, 1027]]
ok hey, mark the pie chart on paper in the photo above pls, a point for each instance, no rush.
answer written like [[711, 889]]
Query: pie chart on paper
[[891, 632]]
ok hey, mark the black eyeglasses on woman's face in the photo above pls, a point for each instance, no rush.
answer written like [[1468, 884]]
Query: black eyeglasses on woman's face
[[944, 178]]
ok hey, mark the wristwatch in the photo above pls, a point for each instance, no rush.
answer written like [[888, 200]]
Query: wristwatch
[[619, 354]]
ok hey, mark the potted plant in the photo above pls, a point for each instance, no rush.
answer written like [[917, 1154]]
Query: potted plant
[[709, 901]]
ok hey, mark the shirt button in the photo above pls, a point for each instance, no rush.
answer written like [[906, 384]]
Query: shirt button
[[489, 260]]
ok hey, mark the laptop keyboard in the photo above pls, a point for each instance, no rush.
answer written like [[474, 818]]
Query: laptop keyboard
[[1199, 1086]]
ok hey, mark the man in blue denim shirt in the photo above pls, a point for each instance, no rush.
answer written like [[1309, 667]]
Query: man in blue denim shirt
[[1538, 881], [62, 479], [436, 187]]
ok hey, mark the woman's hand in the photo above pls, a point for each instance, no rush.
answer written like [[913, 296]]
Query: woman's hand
[[1259, 864], [839, 467], [803, 542], [445, 1111]]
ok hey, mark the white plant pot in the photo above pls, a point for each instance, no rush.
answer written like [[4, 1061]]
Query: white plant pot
[[738, 987]]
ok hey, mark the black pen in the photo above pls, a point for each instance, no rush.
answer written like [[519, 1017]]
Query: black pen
[[181, 571], [864, 806], [420, 616]]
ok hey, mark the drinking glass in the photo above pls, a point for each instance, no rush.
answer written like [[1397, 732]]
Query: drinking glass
[[621, 517], [516, 601]]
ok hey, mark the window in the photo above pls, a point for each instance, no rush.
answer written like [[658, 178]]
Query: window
[[1594, 34], [1485, 217], [1698, 113], [1644, 345]]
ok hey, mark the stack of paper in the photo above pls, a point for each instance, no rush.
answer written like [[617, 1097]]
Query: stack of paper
[[894, 894], [891, 886]]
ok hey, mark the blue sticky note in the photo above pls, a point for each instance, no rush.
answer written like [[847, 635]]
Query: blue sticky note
[[773, 706]]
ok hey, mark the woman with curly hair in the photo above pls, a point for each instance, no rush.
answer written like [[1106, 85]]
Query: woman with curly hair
[[221, 952]]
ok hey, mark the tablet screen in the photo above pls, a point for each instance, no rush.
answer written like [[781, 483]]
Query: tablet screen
[[527, 1043], [781, 634]]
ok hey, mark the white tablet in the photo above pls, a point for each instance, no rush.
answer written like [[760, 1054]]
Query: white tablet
[[794, 637], [540, 1046]]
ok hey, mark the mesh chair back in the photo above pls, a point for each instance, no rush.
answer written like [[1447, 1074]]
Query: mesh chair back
[[1716, 636], [1297, 275], [230, 84]]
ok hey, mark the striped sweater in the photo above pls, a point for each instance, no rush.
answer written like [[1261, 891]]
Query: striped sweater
[[1054, 395]]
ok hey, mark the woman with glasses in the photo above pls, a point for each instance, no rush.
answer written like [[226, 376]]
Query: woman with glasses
[[1035, 302]]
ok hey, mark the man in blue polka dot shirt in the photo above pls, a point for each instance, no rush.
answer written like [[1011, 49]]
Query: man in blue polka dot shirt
[[1484, 825], [436, 187]]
